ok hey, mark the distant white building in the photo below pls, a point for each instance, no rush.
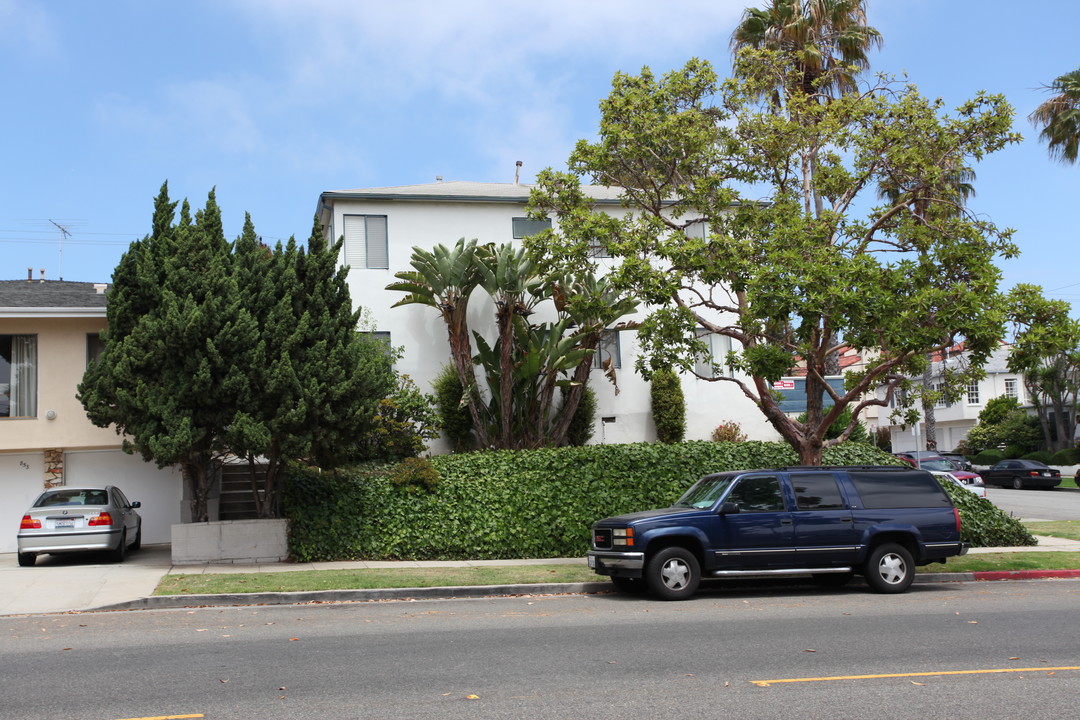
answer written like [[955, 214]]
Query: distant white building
[[382, 225], [955, 419]]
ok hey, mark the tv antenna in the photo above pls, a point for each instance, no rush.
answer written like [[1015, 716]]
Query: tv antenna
[[63, 234]]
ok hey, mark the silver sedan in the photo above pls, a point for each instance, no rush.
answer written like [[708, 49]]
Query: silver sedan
[[83, 519]]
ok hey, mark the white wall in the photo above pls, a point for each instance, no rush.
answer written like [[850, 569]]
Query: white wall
[[20, 484], [421, 331]]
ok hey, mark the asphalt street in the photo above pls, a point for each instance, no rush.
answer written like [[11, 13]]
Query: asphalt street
[[958, 650]]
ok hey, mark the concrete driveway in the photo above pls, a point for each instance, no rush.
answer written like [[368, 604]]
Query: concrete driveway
[[60, 583]]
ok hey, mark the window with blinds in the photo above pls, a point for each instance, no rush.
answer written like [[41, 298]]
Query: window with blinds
[[366, 241]]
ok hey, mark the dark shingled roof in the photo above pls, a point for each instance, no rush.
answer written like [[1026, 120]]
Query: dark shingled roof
[[50, 294]]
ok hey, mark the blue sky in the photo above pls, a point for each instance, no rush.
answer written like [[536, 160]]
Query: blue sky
[[275, 101]]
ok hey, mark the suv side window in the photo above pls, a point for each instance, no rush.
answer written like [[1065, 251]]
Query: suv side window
[[758, 494], [816, 491]]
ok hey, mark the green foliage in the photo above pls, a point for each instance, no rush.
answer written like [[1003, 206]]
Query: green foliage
[[415, 475], [403, 422], [818, 258], [1065, 457], [988, 457], [511, 504], [453, 412], [883, 439], [838, 426], [998, 410], [983, 524], [728, 432], [583, 425], [1004, 422], [1059, 118], [1043, 456], [668, 406], [1014, 451]]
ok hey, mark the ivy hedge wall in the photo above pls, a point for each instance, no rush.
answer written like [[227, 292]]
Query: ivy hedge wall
[[511, 504]]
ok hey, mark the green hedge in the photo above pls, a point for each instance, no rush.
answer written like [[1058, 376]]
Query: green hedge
[[983, 524], [511, 504]]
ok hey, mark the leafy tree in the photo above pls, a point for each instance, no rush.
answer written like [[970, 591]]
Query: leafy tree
[[825, 41], [172, 364], [1059, 118], [582, 426], [1046, 350], [859, 434], [403, 422], [668, 406], [1003, 423], [815, 261]]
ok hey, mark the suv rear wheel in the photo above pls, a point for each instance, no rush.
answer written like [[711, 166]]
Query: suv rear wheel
[[673, 574], [889, 568]]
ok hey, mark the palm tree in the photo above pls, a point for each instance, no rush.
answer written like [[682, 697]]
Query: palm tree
[[823, 38], [1059, 118]]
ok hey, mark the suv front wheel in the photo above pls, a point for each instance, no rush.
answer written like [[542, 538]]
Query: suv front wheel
[[889, 569], [673, 574]]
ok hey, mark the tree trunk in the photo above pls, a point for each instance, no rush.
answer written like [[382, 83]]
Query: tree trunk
[[196, 472], [928, 410]]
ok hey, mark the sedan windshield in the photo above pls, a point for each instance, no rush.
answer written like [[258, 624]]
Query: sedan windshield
[[938, 464], [705, 492]]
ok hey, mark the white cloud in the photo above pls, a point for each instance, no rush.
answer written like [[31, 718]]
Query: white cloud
[[26, 27]]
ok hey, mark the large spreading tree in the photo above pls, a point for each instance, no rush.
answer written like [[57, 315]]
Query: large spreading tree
[[759, 221], [215, 350]]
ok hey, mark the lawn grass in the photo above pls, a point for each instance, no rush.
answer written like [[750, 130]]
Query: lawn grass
[[364, 579], [1069, 529], [361, 579]]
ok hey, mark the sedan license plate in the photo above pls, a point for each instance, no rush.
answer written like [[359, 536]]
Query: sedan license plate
[[65, 523]]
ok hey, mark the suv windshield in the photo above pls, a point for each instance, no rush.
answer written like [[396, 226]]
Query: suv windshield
[[705, 492]]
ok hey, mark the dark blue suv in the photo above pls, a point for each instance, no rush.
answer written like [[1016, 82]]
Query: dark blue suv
[[829, 522]]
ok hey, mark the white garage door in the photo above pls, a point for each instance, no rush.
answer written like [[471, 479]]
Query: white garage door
[[21, 481]]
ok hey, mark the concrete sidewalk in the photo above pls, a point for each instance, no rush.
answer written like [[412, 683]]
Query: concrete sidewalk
[[77, 583]]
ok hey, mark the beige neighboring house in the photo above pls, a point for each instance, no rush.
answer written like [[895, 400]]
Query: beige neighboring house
[[48, 333]]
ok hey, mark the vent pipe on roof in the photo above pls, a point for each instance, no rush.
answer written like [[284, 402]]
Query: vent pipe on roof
[[29, 274], [517, 172], [100, 288], [438, 178], [42, 274]]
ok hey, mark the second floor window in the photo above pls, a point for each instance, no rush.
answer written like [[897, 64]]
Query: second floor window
[[366, 241], [524, 227], [609, 349], [973, 393], [1012, 388]]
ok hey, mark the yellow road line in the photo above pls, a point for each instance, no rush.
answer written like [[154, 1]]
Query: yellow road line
[[168, 717], [767, 683]]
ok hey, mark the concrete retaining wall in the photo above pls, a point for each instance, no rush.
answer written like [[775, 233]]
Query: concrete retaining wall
[[230, 542]]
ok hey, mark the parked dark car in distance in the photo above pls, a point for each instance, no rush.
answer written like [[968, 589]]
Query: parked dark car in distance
[[1020, 474], [80, 519], [959, 460]]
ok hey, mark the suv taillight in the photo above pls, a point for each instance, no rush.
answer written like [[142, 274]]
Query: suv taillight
[[956, 514], [102, 519], [29, 523]]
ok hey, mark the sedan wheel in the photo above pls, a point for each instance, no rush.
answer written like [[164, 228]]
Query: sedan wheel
[[1018, 484], [27, 559]]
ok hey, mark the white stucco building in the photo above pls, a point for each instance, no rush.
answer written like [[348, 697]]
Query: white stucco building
[[382, 225], [954, 420]]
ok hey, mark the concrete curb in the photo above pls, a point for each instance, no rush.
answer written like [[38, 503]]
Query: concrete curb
[[166, 602]]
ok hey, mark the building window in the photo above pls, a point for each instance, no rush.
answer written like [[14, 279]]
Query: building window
[[973, 393], [716, 349], [698, 230], [524, 227], [610, 350], [94, 347], [942, 400], [366, 242], [1012, 388], [18, 375]]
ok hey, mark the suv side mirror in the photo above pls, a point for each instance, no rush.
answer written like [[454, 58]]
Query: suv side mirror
[[729, 508]]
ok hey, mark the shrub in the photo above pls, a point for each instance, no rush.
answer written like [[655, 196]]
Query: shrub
[[401, 425], [988, 457], [668, 406], [415, 475], [1062, 457], [983, 524], [511, 503], [453, 414], [883, 439], [728, 432], [1012, 452], [583, 423], [1043, 456], [859, 434]]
